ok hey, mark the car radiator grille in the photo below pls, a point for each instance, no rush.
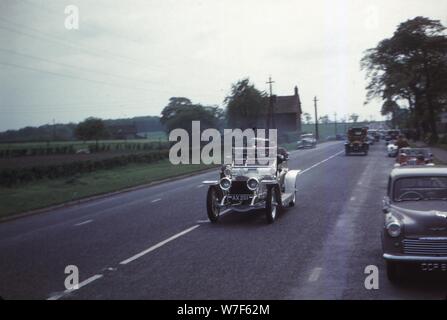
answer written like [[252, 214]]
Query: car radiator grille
[[239, 187], [431, 247]]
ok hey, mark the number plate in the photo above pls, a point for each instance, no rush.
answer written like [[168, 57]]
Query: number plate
[[239, 197], [433, 266]]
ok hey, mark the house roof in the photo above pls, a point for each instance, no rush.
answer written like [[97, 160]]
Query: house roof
[[287, 104]]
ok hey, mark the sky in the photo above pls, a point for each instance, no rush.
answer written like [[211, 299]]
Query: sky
[[127, 58]]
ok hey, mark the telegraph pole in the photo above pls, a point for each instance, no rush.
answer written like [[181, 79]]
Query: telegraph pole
[[317, 136], [270, 111], [335, 122]]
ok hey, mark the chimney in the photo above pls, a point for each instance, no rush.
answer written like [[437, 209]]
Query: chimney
[[296, 90]]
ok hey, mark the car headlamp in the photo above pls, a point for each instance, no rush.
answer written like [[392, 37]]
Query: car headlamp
[[252, 184], [227, 171], [225, 183], [394, 229]]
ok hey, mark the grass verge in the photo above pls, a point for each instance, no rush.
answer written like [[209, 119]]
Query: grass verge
[[44, 193]]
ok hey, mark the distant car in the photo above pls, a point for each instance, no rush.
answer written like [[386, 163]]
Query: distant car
[[414, 156], [307, 141], [370, 139], [415, 229], [392, 149], [357, 141], [391, 135]]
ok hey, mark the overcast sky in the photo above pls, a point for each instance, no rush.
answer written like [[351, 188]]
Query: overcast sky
[[129, 57]]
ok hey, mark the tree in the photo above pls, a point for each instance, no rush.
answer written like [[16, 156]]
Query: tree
[[180, 112], [245, 105], [354, 117], [307, 117], [324, 119], [91, 129], [410, 69]]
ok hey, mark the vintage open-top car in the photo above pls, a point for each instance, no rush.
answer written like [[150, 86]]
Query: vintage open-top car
[[246, 186], [414, 156], [307, 140], [415, 229]]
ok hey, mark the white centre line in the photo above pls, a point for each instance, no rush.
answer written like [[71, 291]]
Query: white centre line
[[321, 162], [82, 223], [315, 274], [156, 200], [80, 285], [158, 245]]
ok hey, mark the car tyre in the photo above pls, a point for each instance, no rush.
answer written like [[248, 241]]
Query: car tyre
[[212, 199], [292, 202], [393, 271], [273, 203]]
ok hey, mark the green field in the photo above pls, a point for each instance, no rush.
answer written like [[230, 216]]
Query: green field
[[151, 137], [46, 192]]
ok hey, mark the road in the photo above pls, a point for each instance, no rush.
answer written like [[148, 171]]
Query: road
[[156, 242]]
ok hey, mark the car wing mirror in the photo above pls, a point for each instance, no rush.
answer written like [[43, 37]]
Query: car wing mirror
[[386, 204]]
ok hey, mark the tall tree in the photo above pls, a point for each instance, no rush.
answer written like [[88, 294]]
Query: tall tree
[[245, 104], [410, 68]]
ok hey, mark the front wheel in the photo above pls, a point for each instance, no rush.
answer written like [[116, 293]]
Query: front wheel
[[212, 203], [292, 202], [393, 271], [273, 203]]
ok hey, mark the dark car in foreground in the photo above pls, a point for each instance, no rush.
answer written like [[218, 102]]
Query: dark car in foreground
[[415, 230]]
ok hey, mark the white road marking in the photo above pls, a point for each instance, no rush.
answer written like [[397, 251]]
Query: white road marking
[[81, 284], [82, 223], [315, 274], [200, 186], [202, 221], [352, 199], [321, 162], [158, 245], [156, 200]]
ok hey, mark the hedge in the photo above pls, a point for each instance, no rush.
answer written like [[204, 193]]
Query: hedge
[[93, 147], [10, 177]]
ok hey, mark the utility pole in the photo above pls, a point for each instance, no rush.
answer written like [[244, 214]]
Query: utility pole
[[270, 122], [317, 136], [335, 123]]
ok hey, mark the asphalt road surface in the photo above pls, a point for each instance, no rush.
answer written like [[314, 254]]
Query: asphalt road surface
[[156, 242]]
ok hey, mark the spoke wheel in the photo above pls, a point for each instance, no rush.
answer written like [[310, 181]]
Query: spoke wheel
[[273, 203], [212, 202]]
